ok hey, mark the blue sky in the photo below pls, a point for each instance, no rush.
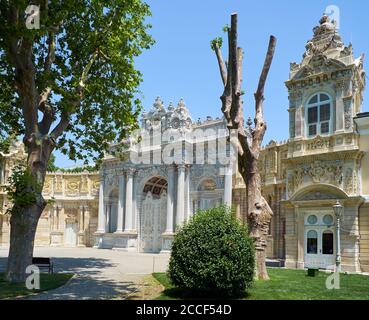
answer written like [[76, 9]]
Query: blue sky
[[182, 65]]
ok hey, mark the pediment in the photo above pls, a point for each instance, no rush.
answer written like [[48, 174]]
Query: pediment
[[318, 64]]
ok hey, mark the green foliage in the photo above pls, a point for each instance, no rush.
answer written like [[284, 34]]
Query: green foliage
[[51, 167], [47, 282], [4, 144], [213, 255], [23, 189], [80, 169], [226, 28], [218, 41], [6, 141], [107, 35], [288, 284]]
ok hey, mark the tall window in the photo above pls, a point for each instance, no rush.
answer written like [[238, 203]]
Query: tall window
[[319, 114]]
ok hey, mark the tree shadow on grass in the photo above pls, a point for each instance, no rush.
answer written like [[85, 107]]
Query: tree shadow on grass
[[91, 281]]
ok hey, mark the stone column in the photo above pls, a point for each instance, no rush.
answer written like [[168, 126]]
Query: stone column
[[101, 218], [122, 182], [87, 213], [180, 194], [129, 200], [81, 232], [55, 218], [170, 197], [188, 199], [56, 236], [81, 218], [300, 228], [299, 123], [338, 108], [227, 198]]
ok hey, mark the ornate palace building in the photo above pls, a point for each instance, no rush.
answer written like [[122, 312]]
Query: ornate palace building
[[135, 203]]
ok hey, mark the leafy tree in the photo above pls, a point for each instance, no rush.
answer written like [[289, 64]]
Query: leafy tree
[[69, 85]]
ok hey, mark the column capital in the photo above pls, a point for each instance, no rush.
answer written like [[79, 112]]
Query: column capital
[[130, 171], [181, 166], [170, 167]]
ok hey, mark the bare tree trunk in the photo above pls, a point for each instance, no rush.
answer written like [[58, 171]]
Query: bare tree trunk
[[258, 213], [258, 218]]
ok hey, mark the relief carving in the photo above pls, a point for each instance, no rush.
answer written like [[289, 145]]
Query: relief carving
[[84, 184], [348, 114], [72, 186], [47, 186], [317, 172], [320, 143], [59, 184], [348, 181]]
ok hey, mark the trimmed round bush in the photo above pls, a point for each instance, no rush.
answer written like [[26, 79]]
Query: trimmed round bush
[[213, 255]]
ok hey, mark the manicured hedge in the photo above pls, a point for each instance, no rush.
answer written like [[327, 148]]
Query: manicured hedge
[[213, 255]]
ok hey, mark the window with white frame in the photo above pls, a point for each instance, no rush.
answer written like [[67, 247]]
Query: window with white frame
[[319, 115]]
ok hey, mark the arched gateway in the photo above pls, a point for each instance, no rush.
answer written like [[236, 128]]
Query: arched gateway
[[153, 214]]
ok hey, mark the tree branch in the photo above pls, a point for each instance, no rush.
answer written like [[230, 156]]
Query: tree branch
[[221, 63], [267, 63], [233, 49], [19, 51], [43, 106], [238, 105], [227, 93], [65, 115], [50, 58], [260, 125]]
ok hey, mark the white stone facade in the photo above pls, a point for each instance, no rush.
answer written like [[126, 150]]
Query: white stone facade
[[141, 204]]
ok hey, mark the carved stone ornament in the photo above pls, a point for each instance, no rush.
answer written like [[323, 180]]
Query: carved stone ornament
[[73, 185], [319, 143], [329, 172], [348, 114]]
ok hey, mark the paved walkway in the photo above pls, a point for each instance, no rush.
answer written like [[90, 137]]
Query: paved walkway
[[100, 273]]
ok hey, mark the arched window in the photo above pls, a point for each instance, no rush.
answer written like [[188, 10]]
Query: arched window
[[319, 115]]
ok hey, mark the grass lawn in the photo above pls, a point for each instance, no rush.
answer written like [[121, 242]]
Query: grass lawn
[[287, 284], [48, 282]]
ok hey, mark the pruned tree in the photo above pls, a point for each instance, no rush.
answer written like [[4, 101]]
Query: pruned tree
[[249, 139], [70, 85]]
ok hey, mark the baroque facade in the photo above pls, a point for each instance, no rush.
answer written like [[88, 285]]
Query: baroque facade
[[135, 203], [70, 218]]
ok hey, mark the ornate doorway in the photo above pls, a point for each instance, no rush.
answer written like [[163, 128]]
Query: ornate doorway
[[153, 215], [319, 241]]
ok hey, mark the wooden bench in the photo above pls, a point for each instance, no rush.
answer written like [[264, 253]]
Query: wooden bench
[[43, 263]]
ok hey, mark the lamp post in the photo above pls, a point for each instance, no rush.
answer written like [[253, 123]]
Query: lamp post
[[337, 209]]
